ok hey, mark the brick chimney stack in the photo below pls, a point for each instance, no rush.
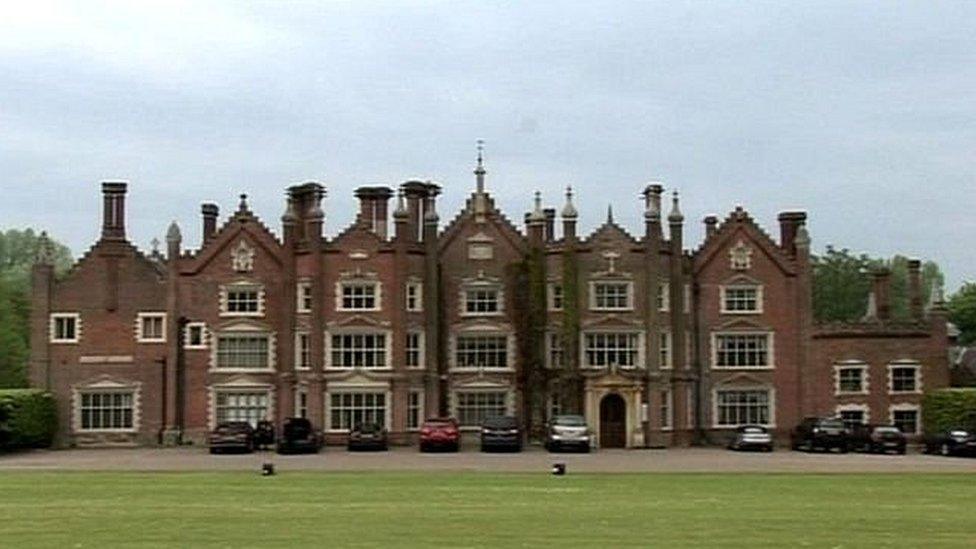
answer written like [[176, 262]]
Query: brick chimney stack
[[915, 306], [789, 223], [711, 225], [209, 212], [113, 210], [373, 208], [550, 214], [881, 283]]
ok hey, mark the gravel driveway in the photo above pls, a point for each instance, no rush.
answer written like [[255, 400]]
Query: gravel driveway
[[531, 460]]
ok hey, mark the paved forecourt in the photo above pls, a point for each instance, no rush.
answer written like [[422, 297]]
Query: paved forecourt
[[531, 460]]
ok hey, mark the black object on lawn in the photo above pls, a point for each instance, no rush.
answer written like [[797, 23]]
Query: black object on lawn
[[559, 469], [267, 470]]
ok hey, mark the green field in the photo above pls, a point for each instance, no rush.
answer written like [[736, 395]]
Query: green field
[[481, 509]]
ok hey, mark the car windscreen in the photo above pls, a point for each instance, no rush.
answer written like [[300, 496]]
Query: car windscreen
[[831, 424], [369, 428], [886, 430], [570, 421], [753, 430], [501, 423]]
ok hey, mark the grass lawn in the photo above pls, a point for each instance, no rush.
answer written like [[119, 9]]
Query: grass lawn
[[233, 509]]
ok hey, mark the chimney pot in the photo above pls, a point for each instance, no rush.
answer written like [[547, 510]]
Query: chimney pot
[[711, 225], [113, 210], [209, 212], [789, 224]]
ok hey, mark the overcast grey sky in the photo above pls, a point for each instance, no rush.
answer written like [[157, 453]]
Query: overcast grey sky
[[862, 114]]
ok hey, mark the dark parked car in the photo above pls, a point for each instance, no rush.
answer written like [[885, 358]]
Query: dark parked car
[[264, 435], [751, 437], [368, 436], [440, 433], [232, 435], [816, 433], [501, 433], [568, 432], [298, 437], [952, 442], [877, 439]]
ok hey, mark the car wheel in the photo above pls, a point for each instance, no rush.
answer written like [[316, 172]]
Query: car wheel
[[945, 450]]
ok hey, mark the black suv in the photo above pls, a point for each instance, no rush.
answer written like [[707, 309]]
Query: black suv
[[298, 436], [501, 433], [951, 442], [879, 439], [817, 433]]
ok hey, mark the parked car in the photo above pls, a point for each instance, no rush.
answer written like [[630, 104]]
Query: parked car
[[368, 436], [877, 439], [298, 437], [501, 433], [817, 433], [232, 435], [751, 437], [440, 433], [951, 442], [568, 432], [264, 435]]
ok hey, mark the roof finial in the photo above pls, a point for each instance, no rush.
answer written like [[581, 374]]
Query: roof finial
[[569, 211], [479, 171], [537, 214], [675, 216], [242, 206], [609, 213]]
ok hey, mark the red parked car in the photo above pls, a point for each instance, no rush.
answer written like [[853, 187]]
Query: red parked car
[[440, 433]]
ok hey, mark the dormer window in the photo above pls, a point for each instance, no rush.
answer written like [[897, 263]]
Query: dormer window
[[359, 296], [611, 296]]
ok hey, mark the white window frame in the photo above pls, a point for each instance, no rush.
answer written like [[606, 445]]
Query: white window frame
[[215, 351], [770, 350], [663, 298], [421, 344], [638, 346], [52, 328], [554, 346], [303, 297], [241, 287], [218, 391], [506, 393], [483, 287], [771, 402], [299, 335], [417, 408], [77, 423], [204, 336], [906, 407], [723, 297], [629, 297], [509, 355], [551, 298], [301, 408], [353, 390], [414, 291], [341, 292], [387, 349], [854, 407], [852, 365], [141, 318], [665, 351], [666, 419], [892, 366]]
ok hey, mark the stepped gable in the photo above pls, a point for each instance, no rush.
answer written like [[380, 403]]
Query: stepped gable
[[740, 220]]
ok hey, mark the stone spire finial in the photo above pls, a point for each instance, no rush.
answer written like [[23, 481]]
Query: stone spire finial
[[242, 205], [45, 250], [675, 216], [537, 214], [172, 234], [479, 171], [569, 211], [609, 214]]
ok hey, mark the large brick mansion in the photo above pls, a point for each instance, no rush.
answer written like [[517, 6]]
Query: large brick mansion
[[399, 317]]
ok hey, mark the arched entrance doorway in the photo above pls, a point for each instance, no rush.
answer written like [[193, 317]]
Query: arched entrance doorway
[[613, 421]]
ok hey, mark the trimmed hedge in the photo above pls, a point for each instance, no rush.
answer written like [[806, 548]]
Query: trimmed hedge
[[949, 408], [28, 418]]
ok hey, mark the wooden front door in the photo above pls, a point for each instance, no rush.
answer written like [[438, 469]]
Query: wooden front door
[[613, 422]]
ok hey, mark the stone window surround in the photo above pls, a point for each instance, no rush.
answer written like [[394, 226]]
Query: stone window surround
[[421, 393], [667, 422], [344, 388], [740, 286], [244, 330], [481, 284], [906, 407], [204, 336], [770, 389], [242, 285], [551, 296], [770, 349], [212, 391], [51, 328], [388, 345], [852, 364], [421, 349], [854, 407], [509, 401], [592, 294], [139, 327], [76, 391], [905, 364], [639, 361], [304, 285], [359, 280], [666, 336], [509, 349], [549, 348], [298, 349], [417, 287]]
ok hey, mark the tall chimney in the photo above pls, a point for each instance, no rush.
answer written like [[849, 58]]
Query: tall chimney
[[113, 210], [711, 225], [416, 193], [373, 208], [789, 223], [550, 214], [881, 279], [915, 289], [210, 213]]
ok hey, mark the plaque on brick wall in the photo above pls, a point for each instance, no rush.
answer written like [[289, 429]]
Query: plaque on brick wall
[[480, 251], [242, 257]]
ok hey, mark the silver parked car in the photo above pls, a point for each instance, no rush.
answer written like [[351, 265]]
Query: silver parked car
[[751, 437], [568, 432]]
